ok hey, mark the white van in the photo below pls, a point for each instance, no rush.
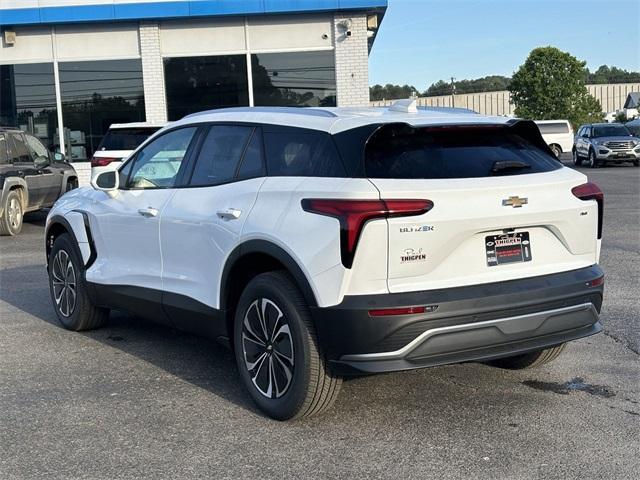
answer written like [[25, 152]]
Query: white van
[[558, 134]]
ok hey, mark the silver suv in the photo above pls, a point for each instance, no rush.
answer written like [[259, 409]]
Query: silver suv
[[602, 143]]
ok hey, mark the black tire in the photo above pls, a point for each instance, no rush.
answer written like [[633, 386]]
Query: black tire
[[577, 161], [66, 272], [636, 163], [592, 161], [529, 360], [12, 214], [557, 151], [71, 184], [309, 387]]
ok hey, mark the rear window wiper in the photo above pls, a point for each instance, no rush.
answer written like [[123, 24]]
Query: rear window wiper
[[502, 165]]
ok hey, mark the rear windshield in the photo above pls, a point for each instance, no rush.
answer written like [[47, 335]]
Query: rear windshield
[[610, 131], [559, 127], [126, 138], [400, 151]]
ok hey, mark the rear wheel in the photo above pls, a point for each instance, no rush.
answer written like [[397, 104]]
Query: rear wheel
[[277, 351], [557, 151], [71, 184], [529, 360], [11, 221], [68, 288], [577, 161]]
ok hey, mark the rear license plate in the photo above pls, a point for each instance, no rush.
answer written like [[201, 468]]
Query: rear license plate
[[508, 248]]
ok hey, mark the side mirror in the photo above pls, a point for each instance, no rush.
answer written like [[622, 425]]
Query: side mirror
[[106, 181], [58, 157]]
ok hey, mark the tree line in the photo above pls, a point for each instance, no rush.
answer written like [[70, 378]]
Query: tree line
[[492, 83]]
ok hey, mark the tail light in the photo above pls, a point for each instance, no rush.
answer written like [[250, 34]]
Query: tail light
[[102, 161], [590, 191], [353, 214]]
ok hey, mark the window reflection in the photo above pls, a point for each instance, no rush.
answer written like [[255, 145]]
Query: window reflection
[[28, 100], [95, 95], [294, 79]]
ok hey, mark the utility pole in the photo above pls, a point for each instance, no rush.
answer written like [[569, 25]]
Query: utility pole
[[453, 92]]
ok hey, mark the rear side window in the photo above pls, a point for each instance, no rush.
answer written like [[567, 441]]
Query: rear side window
[[220, 155], [4, 158], [125, 138], [559, 127], [304, 153], [400, 151]]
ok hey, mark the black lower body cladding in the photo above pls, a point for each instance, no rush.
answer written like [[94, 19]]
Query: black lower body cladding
[[477, 322]]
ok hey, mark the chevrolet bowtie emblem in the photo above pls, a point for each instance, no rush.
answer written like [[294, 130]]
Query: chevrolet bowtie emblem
[[515, 202]]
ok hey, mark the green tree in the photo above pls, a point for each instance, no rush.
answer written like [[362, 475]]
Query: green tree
[[391, 92], [551, 85]]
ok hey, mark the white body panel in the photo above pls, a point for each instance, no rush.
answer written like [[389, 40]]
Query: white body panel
[[564, 139]]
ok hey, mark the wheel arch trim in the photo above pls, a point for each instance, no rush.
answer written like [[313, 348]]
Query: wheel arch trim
[[273, 250], [76, 223]]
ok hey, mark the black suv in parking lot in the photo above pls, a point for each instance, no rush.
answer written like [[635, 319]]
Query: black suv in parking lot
[[601, 143], [31, 178]]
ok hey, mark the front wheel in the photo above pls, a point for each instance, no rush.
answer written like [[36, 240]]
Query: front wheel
[[529, 360], [277, 352], [68, 288], [593, 161]]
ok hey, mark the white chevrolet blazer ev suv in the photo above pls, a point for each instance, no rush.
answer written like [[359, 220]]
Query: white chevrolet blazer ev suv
[[326, 242]]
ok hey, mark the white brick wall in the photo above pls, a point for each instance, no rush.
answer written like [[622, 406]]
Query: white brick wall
[[152, 72], [83, 169], [352, 61]]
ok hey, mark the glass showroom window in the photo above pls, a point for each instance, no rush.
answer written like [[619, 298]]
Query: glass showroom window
[[294, 79], [95, 95], [28, 100], [194, 84]]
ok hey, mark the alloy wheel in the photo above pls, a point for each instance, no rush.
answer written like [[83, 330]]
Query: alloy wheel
[[14, 213], [267, 347], [63, 278]]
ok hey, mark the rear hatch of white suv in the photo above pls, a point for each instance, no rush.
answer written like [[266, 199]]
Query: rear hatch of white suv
[[503, 207]]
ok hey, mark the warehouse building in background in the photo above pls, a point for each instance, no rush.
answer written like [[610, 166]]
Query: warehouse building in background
[[71, 68]]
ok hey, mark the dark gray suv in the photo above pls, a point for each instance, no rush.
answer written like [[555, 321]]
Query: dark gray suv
[[600, 143]]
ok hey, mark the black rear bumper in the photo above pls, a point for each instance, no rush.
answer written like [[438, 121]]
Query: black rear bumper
[[477, 322]]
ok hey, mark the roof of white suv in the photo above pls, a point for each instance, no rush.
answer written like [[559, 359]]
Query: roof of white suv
[[338, 119]]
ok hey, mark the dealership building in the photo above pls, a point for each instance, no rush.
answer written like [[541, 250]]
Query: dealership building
[[71, 68]]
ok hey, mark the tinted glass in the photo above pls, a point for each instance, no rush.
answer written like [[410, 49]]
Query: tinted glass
[[157, 165], [294, 79], [553, 128], [252, 165], [405, 152], [194, 84], [18, 150], [305, 153], [28, 101], [96, 95], [610, 131], [36, 148], [125, 138], [220, 155], [4, 158]]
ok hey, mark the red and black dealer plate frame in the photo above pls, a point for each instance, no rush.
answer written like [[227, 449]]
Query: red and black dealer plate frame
[[508, 248]]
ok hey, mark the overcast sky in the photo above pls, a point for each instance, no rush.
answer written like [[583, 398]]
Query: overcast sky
[[422, 41]]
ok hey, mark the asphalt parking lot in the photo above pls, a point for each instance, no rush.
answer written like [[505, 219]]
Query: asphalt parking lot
[[138, 400]]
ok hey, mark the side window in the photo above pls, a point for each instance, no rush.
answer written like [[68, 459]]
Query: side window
[[157, 165], [4, 156], [220, 155], [19, 153], [37, 149], [304, 153], [252, 165]]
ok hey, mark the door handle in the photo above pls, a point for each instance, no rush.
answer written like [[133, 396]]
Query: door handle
[[230, 213], [148, 212]]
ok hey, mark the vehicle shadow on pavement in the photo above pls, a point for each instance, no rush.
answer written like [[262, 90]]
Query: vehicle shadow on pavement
[[199, 361]]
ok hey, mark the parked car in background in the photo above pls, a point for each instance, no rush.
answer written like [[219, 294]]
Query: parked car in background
[[328, 242], [120, 140], [558, 134], [600, 143], [634, 127], [31, 178]]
